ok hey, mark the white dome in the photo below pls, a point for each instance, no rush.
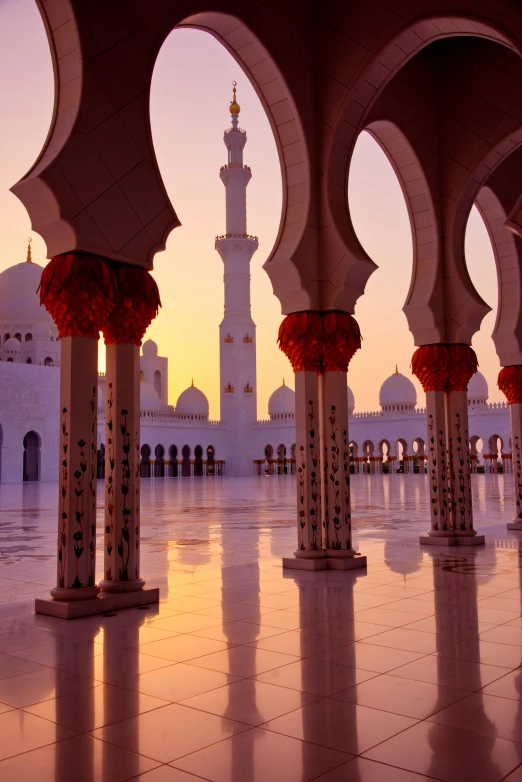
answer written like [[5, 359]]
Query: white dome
[[149, 400], [12, 345], [351, 400], [478, 387], [41, 330], [19, 301], [282, 402], [192, 401], [149, 348], [397, 390]]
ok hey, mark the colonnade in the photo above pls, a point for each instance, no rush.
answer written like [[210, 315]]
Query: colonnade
[[85, 295]]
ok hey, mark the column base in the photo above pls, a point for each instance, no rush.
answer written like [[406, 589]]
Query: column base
[[122, 586], [515, 525], [331, 559], [452, 540], [75, 595], [73, 609]]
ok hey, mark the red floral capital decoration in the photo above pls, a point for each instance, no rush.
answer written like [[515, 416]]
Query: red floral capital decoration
[[319, 341], [444, 367], [77, 289], [510, 383], [136, 305]]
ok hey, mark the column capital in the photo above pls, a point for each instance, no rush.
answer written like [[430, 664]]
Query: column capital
[[444, 367], [136, 304], [510, 383], [78, 291], [319, 341]]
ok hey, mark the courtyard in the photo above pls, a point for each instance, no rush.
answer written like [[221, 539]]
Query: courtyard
[[408, 671]]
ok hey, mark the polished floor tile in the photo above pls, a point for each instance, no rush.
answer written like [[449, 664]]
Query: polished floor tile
[[450, 672], [170, 732], [21, 732], [244, 660], [339, 725], [182, 648], [258, 756], [59, 652], [479, 651], [361, 770], [13, 666], [250, 701], [82, 759], [237, 632], [89, 709], [449, 754], [115, 663], [176, 682], [41, 685], [299, 643], [411, 640], [504, 635], [485, 714], [509, 686], [368, 656], [315, 677], [401, 696], [166, 774]]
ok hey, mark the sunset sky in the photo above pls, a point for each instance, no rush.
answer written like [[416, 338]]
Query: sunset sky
[[191, 90]]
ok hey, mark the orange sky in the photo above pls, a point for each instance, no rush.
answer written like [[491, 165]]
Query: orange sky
[[189, 111]]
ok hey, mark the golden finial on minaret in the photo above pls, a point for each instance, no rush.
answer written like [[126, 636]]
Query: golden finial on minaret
[[29, 257], [192, 384], [234, 105], [396, 369], [284, 384]]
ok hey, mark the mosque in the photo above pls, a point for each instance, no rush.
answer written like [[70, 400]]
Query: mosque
[[180, 440]]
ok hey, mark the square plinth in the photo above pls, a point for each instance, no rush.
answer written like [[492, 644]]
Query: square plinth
[[73, 609], [435, 540], [299, 563], [346, 563], [515, 525], [468, 540]]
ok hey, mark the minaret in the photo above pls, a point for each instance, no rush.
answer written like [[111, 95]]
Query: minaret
[[237, 331]]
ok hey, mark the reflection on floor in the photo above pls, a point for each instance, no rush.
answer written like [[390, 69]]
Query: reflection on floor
[[410, 671]]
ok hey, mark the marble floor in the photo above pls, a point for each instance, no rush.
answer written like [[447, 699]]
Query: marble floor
[[243, 672]]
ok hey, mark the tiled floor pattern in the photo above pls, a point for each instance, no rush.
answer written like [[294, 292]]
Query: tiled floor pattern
[[244, 672]]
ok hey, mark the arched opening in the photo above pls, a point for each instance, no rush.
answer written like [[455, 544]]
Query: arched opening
[[48, 362], [401, 448], [173, 458], [158, 386], [211, 464], [292, 458], [420, 457], [281, 459], [495, 449], [198, 461], [269, 457], [208, 68], [185, 463], [159, 462], [384, 454], [142, 376], [31, 460], [100, 462], [28, 337], [145, 465], [28, 360]]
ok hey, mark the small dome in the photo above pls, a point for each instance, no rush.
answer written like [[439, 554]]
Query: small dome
[[398, 390], [42, 331], [192, 401], [282, 401], [351, 400], [12, 345], [478, 387], [19, 301], [149, 348], [149, 400]]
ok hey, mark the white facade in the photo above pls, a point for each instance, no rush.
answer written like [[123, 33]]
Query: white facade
[[180, 440]]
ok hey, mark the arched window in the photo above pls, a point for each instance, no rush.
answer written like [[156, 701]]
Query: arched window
[[159, 466], [48, 362], [28, 360], [158, 384], [142, 376], [28, 337], [185, 466], [198, 461], [31, 460], [211, 465], [145, 461], [173, 457]]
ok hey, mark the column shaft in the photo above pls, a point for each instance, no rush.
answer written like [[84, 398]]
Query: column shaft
[[77, 476], [461, 510], [122, 481], [516, 450], [437, 464], [309, 510]]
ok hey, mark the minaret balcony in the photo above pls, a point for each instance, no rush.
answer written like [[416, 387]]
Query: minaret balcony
[[235, 165], [236, 236]]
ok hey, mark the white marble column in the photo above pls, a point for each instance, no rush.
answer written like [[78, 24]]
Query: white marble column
[[461, 505], [516, 449], [308, 469], [77, 471], [440, 517], [122, 470], [336, 471]]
